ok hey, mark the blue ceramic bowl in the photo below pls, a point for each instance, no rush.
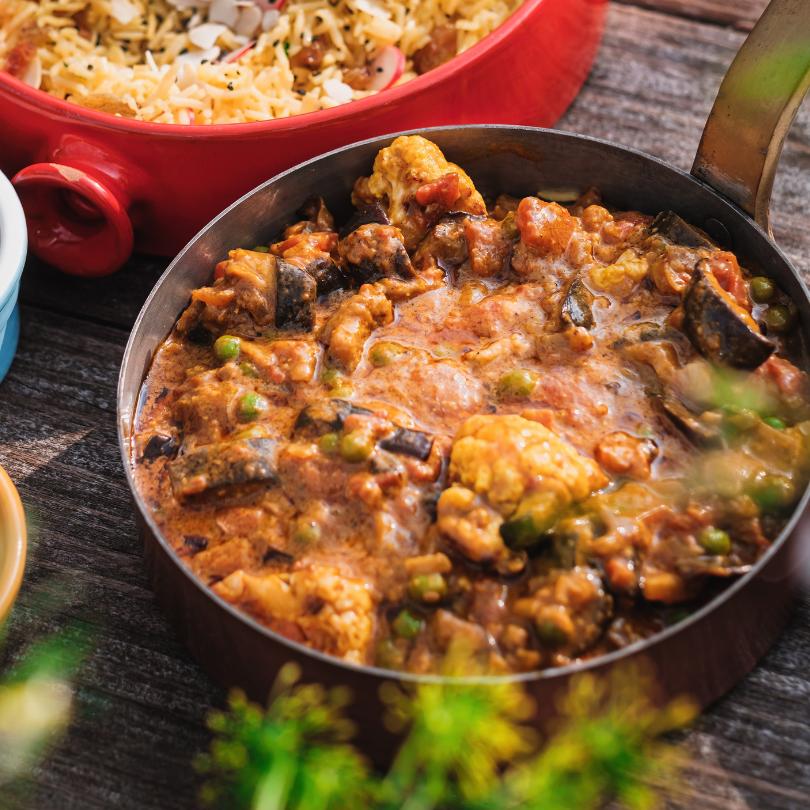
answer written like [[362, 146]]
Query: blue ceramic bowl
[[13, 246]]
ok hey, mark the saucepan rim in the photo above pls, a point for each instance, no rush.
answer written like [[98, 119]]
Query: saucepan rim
[[125, 422], [51, 105]]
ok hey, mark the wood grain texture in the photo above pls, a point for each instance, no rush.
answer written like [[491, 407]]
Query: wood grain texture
[[141, 700], [741, 14]]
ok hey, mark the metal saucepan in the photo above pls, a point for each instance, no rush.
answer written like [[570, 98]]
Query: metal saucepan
[[727, 194]]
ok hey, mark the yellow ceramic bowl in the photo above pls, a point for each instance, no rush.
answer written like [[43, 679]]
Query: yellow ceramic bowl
[[12, 543]]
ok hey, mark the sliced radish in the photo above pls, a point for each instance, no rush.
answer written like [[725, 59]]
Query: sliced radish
[[32, 75], [387, 67], [235, 56], [204, 36], [250, 18], [225, 12], [270, 5]]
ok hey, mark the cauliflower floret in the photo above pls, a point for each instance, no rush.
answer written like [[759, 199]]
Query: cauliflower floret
[[410, 163], [472, 523], [316, 604], [506, 466], [507, 457], [622, 276]]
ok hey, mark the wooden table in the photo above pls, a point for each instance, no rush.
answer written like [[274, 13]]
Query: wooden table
[[141, 699]]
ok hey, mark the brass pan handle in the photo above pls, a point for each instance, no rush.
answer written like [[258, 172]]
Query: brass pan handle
[[755, 106]]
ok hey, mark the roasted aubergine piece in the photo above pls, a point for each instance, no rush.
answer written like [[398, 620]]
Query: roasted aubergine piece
[[222, 464], [718, 327]]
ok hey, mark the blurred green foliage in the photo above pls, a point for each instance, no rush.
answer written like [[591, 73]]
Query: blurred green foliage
[[467, 745]]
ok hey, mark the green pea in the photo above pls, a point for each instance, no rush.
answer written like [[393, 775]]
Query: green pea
[[329, 443], [331, 376], [248, 369], [227, 347], [774, 422], [384, 353], [550, 634], [261, 249], [427, 587], [341, 391], [251, 406], [715, 541], [406, 625], [519, 382], [535, 515], [520, 532], [306, 532], [356, 446], [779, 318], [762, 289], [774, 492]]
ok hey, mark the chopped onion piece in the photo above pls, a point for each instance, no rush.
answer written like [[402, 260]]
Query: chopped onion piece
[[224, 11], [250, 18], [32, 75], [198, 57], [270, 19], [184, 4], [387, 67], [370, 7], [204, 36], [123, 11], [338, 91]]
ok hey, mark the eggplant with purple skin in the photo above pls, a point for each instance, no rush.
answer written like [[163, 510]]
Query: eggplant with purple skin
[[328, 275], [239, 461], [445, 243], [296, 291], [576, 306], [697, 430], [372, 214], [718, 327], [375, 251], [160, 444], [314, 211], [678, 231], [408, 443], [325, 416]]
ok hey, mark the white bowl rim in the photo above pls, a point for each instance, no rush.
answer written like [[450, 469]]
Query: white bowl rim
[[13, 239]]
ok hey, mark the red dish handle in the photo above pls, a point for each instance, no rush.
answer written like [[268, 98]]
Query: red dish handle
[[77, 221]]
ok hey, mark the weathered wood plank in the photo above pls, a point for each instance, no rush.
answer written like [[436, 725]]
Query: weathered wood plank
[[741, 14], [141, 699]]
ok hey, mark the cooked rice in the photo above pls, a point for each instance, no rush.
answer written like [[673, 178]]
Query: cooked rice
[[146, 67]]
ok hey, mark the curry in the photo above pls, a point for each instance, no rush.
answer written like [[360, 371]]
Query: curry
[[541, 431]]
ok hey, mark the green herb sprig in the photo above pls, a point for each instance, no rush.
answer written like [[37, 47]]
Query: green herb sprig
[[467, 745]]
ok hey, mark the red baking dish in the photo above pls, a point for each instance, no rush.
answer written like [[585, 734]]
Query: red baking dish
[[94, 186]]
